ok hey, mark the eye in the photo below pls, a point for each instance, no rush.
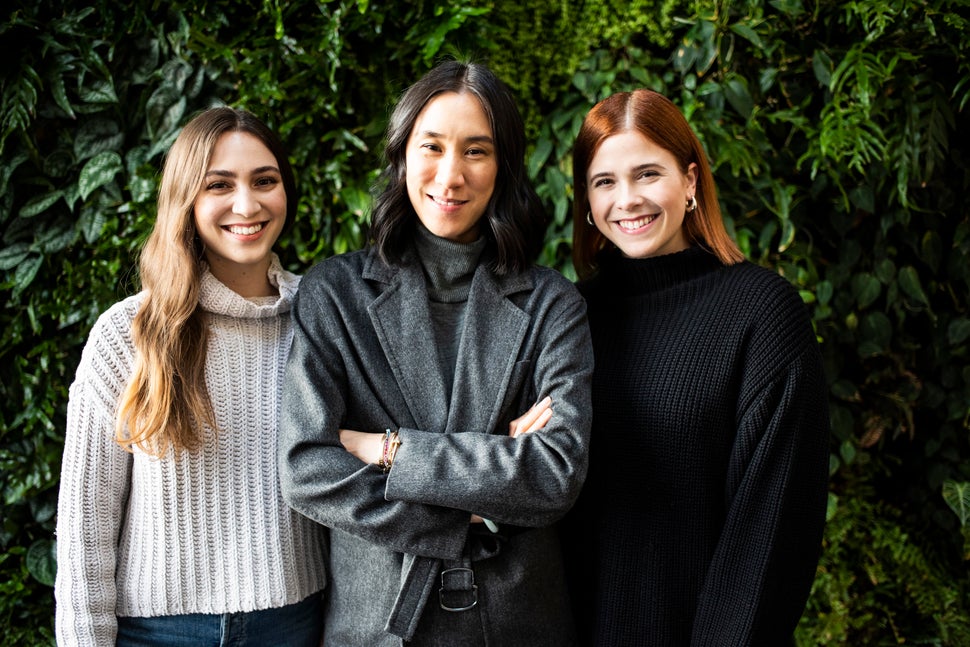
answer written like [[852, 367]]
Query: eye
[[647, 174], [602, 182], [267, 181], [434, 148], [218, 185], [477, 152]]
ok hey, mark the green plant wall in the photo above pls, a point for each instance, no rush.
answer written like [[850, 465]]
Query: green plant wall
[[835, 131]]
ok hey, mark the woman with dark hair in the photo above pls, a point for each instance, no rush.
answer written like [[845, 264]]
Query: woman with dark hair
[[171, 529], [708, 382], [411, 360]]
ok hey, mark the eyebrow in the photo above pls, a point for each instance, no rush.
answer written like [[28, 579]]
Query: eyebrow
[[634, 170], [256, 171], [473, 139]]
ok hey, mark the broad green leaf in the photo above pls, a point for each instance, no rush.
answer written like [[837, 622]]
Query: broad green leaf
[[824, 291], [56, 85], [875, 333], [96, 136], [736, 91], [746, 32], [99, 170], [911, 286], [957, 496], [12, 255], [42, 561], [99, 92], [958, 331], [25, 273], [822, 67], [866, 289], [40, 203]]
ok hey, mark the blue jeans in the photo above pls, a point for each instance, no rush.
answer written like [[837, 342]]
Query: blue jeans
[[295, 625]]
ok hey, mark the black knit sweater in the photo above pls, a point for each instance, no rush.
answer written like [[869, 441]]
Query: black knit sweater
[[701, 519]]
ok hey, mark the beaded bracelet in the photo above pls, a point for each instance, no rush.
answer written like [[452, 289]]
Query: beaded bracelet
[[391, 443]]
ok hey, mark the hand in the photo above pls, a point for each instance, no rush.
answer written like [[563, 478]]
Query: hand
[[367, 447], [532, 420]]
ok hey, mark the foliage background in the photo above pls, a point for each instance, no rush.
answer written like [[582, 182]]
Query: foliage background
[[836, 133]]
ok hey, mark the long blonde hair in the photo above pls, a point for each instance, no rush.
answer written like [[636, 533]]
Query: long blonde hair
[[659, 120], [166, 404]]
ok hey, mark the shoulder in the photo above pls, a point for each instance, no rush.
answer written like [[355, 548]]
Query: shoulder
[[768, 296], [116, 320], [109, 351], [341, 266], [552, 292]]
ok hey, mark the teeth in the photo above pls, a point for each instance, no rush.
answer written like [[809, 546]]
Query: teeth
[[245, 231], [448, 203], [636, 224]]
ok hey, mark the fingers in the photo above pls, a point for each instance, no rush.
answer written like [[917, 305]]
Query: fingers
[[535, 418]]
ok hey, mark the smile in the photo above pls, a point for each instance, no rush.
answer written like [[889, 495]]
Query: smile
[[447, 203], [632, 225], [244, 230]]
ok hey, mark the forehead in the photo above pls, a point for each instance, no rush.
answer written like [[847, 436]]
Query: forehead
[[240, 148], [626, 150], [453, 114]]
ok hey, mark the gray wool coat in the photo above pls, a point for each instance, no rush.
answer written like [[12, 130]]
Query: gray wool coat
[[401, 545]]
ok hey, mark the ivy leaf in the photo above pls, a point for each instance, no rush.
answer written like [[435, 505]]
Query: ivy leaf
[[910, 283], [957, 496], [958, 330], [99, 170], [866, 289], [42, 561]]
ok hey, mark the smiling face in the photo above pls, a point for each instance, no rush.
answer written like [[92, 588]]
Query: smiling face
[[638, 195], [240, 211], [451, 166]]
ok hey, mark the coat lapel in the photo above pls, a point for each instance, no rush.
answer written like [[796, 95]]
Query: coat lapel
[[493, 333], [402, 322]]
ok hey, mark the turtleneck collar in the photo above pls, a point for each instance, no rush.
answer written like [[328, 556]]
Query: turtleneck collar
[[448, 266], [620, 274], [215, 297]]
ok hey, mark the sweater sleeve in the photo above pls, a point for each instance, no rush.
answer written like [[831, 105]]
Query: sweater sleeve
[[318, 477], [94, 484], [775, 496], [529, 481]]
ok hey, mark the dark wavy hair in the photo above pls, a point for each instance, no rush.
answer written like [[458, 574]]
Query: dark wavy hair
[[655, 117], [515, 222]]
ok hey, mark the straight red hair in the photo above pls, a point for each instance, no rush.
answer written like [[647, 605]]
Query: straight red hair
[[655, 117]]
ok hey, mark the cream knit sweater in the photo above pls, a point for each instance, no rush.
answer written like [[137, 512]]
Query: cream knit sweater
[[200, 532]]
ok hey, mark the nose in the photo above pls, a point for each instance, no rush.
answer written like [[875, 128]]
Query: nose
[[628, 197], [245, 203], [449, 173]]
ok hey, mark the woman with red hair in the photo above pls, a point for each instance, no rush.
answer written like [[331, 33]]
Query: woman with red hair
[[701, 518]]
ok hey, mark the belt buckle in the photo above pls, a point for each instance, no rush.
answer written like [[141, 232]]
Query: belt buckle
[[443, 591]]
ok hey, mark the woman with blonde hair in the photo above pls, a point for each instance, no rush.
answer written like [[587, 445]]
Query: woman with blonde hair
[[171, 529], [701, 519]]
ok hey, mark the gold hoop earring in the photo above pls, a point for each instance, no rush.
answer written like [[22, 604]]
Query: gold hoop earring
[[589, 218], [692, 204]]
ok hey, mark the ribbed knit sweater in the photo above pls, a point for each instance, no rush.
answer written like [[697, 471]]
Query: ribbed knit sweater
[[701, 518], [194, 532]]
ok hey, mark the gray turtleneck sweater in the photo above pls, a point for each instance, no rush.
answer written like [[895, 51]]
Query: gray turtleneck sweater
[[449, 268]]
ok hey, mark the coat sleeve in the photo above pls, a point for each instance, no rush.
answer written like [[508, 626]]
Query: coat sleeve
[[318, 477], [529, 481], [94, 485], [764, 563]]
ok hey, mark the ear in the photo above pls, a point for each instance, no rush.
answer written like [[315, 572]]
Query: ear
[[691, 176]]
